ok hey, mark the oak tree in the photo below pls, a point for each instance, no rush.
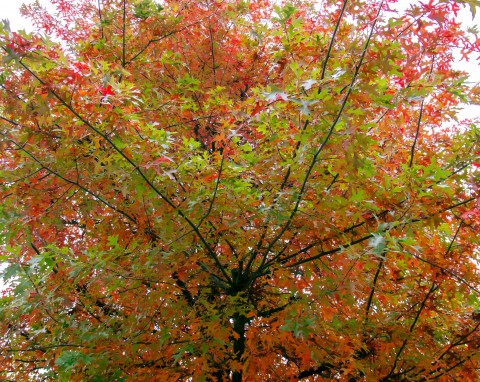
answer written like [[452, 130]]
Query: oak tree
[[239, 190]]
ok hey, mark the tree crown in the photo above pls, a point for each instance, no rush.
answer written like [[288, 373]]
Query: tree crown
[[239, 190]]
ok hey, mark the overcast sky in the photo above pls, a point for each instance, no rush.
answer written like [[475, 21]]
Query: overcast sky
[[9, 9]]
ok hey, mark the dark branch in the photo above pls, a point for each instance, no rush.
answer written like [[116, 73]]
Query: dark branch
[[417, 134], [136, 168], [326, 139], [124, 29], [332, 40], [432, 289]]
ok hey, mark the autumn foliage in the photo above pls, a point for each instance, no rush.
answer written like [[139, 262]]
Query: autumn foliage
[[239, 191]]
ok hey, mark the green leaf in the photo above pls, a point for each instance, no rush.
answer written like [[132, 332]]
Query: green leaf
[[378, 244], [113, 241], [283, 14], [10, 271], [69, 359]]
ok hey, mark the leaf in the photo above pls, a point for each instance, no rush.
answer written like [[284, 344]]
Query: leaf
[[275, 94], [378, 244], [69, 359], [239, 190], [304, 109], [307, 85], [113, 241], [9, 272], [473, 4]]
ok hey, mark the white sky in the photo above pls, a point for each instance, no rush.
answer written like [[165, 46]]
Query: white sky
[[9, 9]]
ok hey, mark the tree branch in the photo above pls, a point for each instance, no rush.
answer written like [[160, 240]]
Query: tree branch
[[152, 41], [332, 40], [432, 289], [124, 29], [419, 121], [69, 181], [327, 138], [324, 370], [214, 194], [136, 168], [353, 242], [412, 150], [99, 5], [375, 279], [212, 50]]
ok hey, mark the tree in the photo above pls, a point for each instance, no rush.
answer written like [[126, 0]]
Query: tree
[[239, 190]]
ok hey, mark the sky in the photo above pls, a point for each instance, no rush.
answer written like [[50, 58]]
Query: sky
[[9, 9]]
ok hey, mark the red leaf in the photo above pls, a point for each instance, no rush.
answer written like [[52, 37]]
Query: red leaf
[[107, 91]]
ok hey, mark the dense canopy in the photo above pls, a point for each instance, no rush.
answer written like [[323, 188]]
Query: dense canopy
[[233, 190]]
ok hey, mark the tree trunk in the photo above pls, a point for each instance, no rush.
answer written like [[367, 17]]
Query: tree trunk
[[239, 321]]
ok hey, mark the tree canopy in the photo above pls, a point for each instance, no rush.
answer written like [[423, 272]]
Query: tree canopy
[[233, 190]]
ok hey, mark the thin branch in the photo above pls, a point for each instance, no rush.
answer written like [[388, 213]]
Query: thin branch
[[124, 29], [254, 252], [460, 203], [327, 138], [154, 40], [326, 253], [412, 150], [370, 297], [136, 168], [332, 41], [409, 25], [214, 194], [277, 256], [419, 121], [432, 289], [151, 317], [8, 182], [99, 6], [69, 181], [44, 349], [459, 341], [462, 280], [354, 242], [212, 50], [332, 182], [325, 370], [461, 362], [269, 312], [385, 212]]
